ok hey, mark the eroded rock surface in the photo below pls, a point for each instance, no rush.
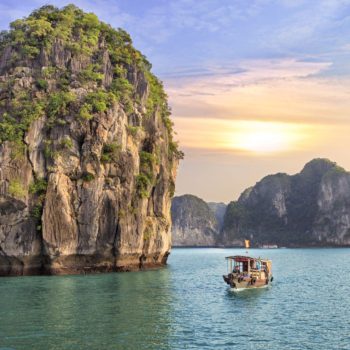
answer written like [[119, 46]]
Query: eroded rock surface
[[195, 222], [87, 157], [311, 208]]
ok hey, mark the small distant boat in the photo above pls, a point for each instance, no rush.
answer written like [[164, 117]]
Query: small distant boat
[[246, 272], [269, 246]]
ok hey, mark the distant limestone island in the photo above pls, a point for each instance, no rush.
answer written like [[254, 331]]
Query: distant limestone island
[[195, 222], [309, 209]]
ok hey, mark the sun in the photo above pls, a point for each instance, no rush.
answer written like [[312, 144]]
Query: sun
[[247, 136], [266, 137]]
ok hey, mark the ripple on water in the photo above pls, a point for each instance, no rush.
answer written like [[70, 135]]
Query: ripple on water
[[184, 306]]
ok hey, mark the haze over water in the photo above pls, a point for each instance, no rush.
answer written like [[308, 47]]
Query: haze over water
[[184, 306]]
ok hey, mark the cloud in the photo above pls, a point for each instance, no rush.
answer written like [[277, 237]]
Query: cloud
[[243, 72], [311, 26], [261, 90], [107, 10], [288, 96], [175, 32], [212, 16]]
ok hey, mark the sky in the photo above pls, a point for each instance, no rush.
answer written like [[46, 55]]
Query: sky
[[256, 86]]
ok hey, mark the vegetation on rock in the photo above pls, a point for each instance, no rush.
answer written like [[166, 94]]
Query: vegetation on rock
[[78, 34], [110, 152], [16, 189], [307, 209], [86, 140]]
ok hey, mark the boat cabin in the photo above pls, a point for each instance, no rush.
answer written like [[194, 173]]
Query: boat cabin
[[246, 265], [247, 272]]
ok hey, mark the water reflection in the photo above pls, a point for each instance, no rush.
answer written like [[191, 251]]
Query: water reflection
[[112, 311], [185, 306]]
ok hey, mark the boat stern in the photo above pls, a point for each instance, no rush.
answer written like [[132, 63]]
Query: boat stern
[[229, 279]]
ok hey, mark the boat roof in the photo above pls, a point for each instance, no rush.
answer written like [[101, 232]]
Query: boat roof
[[241, 258]]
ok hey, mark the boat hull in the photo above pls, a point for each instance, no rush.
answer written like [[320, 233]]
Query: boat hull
[[240, 283]]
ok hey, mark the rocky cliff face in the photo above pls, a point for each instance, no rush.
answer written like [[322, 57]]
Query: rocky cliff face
[[87, 158], [195, 223], [219, 210], [311, 208]]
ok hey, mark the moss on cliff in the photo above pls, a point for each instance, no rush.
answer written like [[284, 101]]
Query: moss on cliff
[[78, 35], [87, 155]]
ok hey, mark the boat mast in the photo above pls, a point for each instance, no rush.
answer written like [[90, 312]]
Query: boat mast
[[247, 245]]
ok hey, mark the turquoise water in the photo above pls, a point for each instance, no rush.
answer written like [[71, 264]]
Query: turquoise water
[[184, 306]]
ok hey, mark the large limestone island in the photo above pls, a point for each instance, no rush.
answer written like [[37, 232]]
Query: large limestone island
[[87, 156], [311, 208]]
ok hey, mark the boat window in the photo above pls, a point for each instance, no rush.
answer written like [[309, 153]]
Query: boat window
[[238, 267]]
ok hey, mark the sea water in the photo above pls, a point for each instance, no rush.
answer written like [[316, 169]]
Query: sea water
[[185, 305]]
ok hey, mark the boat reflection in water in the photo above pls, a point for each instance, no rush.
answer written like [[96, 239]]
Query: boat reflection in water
[[245, 272]]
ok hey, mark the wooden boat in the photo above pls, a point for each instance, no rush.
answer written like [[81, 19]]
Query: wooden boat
[[246, 272]]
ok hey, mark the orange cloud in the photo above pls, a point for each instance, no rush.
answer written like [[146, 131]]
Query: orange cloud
[[267, 106]]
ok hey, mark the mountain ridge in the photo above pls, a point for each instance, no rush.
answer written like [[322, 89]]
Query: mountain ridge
[[307, 209]]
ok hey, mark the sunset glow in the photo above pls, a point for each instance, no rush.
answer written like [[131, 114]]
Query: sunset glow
[[249, 137], [267, 137], [243, 106]]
